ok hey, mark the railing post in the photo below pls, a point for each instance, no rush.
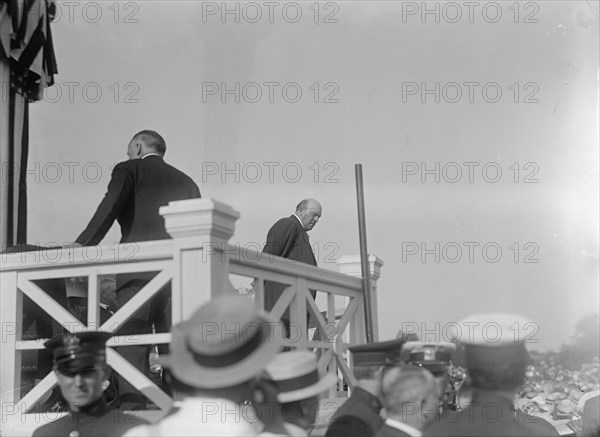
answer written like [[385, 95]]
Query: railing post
[[200, 229], [350, 265], [11, 322]]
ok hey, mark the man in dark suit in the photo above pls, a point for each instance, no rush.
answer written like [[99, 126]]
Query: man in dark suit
[[137, 189], [288, 238], [359, 415], [591, 417]]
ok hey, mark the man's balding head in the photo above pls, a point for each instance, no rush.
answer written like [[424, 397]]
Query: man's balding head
[[146, 141], [409, 394], [309, 211]]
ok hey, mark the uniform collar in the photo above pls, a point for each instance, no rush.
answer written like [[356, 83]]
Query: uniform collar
[[95, 409]]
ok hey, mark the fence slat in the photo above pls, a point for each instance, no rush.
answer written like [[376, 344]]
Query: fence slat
[[138, 380], [38, 391], [50, 306], [10, 364], [136, 302]]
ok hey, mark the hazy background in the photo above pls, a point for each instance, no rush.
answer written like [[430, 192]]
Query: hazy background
[[128, 66]]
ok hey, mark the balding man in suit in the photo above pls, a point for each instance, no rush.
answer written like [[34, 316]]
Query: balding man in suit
[[288, 238]]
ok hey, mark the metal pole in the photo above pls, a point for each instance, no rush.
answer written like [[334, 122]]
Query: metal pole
[[364, 257]]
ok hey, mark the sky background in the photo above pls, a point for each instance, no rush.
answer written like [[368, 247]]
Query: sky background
[[160, 65]]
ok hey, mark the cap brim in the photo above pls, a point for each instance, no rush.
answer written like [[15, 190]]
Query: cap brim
[[307, 392], [186, 369], [76, 365], [435, 367]]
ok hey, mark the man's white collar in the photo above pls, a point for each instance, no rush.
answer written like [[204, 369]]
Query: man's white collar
[[299, 221], [413, 432]]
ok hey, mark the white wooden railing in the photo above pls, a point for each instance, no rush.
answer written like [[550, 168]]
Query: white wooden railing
[[198, 262]]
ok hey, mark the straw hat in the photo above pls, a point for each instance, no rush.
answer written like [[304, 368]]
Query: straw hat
[[297, 377], [226, 342]]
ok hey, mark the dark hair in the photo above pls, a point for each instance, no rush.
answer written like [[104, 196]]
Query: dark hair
[[292, 411], [506, 377], [497, 368], [307, 408], [152, 140]]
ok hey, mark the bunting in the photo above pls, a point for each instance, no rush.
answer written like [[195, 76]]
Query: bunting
[[27, 67]]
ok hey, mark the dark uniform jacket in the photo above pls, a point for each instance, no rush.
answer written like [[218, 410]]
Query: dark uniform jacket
[[358, 416], [96, 419], [591, 417], [490, 414], [136, 190], [287, 238]]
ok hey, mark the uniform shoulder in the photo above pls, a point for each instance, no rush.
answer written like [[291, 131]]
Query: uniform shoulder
[[537, 426], [139, 431], [129, 418], [52, 429], [592, 403], [348, 426], [360, 406]]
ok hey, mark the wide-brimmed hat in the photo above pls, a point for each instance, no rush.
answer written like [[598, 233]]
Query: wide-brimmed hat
[[495, 353], [226, 342], [296, 376], [494, 338]]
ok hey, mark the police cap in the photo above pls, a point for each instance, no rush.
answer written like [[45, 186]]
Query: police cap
[[76, 352], [433, 356], [377, 354]]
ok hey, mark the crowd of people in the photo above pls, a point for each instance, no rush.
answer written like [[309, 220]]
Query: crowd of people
[[240, 380], [236, 380]]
